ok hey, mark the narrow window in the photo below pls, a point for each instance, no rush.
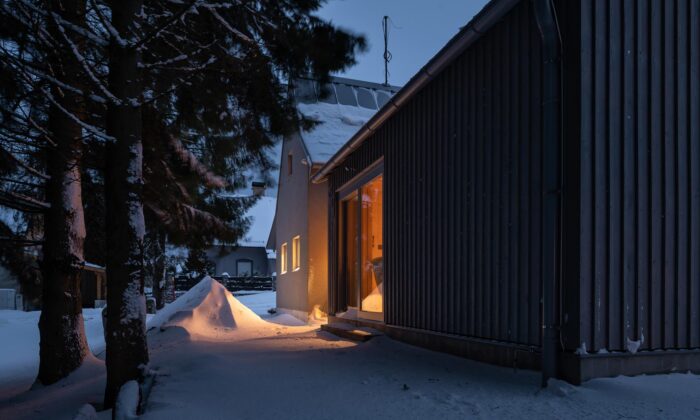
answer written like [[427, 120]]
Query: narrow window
[[290, 166], [296, 251], [283, 258]]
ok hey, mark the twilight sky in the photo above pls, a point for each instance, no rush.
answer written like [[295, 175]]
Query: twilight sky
[[418, 29]]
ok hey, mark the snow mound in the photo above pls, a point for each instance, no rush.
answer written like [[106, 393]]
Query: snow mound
[[633, 346], [86, 412], [560, 388], [207, 309], [127, 401]]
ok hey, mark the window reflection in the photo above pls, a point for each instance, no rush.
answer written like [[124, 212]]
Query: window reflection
[[371, 246]]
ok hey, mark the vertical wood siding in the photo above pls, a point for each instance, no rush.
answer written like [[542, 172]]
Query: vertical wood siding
[[462, 191], [639, 174]]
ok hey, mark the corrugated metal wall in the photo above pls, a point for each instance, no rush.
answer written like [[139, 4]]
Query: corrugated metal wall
[[639, 174], [462, 162]]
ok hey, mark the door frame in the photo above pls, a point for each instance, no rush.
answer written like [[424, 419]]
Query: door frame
[[346, 190]]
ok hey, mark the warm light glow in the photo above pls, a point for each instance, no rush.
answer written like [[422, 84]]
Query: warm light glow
[[296, 253], [283, 258], [362, 255], [371, 246]]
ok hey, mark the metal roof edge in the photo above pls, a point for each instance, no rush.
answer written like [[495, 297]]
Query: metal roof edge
[[483, 21], [358, 83]]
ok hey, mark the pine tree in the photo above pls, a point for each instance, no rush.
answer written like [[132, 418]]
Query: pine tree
[[185, 97], [44, 139], [127, 351], [63, 345]]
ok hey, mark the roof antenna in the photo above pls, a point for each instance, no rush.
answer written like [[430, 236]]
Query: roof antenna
[[387, 54]]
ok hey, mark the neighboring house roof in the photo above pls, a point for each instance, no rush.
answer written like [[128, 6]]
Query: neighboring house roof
[[340, 109], [272, 237], [261, 216], [485, 19]]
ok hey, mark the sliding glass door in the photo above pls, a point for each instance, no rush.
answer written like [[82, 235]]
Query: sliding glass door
[[361, 252], [371, 228]]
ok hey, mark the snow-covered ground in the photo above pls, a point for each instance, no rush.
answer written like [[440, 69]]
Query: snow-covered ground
[[258, 302], [19, 347], [215, 358]]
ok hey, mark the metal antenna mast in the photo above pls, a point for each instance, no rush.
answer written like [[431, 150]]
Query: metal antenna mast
[[387, 54]]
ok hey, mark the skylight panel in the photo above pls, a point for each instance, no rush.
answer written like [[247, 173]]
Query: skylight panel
[[327, 94], [365, 98], [346, 95], [382, 98]]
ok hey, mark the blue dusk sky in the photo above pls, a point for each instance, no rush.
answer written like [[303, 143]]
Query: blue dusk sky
[[417, 30]]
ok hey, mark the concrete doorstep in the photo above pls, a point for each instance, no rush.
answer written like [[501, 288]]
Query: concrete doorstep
[[350, 332]]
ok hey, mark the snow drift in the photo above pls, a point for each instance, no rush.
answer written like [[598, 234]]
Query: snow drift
[[208, 309]]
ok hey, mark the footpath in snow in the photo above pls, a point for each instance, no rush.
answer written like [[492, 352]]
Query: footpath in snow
[[216, 358]]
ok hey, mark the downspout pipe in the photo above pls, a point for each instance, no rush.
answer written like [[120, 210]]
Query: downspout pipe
[[545, 14]]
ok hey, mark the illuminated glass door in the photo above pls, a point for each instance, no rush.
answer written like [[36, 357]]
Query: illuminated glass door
[[361, 247], [371, 227]]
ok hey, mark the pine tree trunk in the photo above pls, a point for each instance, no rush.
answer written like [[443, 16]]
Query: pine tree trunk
[[159, 270], [127, 350], [63, 346], [154, 256]]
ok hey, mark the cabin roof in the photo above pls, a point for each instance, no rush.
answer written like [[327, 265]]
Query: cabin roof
[[339, 108]]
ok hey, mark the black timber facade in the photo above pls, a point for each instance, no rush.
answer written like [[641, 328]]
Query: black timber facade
[[464, 160]]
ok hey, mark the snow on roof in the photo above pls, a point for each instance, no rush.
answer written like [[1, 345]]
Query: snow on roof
[[337, 123], [261, 216], [341, 109]]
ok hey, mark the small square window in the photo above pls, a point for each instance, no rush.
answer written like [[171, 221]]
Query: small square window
[[283, 258], [296, 253]]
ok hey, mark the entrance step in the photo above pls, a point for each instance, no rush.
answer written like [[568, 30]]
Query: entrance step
[[350, 332]]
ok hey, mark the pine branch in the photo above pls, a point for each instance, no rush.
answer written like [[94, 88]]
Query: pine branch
[[19, 182], [24, 166], [184, 218], [156, 32], [171, 176], [184, 57], [26, 21], [21, 241], [173, 88], [77, 120], [22, 202], [226, 25], [85, 66], [87, 34], [25, 66], [193, 164]]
